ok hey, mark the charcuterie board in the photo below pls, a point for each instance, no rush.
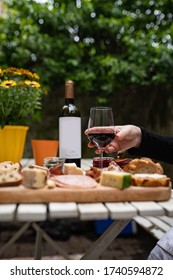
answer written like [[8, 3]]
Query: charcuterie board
[[21, 194]]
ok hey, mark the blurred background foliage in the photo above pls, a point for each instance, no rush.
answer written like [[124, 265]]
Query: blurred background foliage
[[118, 52], [102, 45]]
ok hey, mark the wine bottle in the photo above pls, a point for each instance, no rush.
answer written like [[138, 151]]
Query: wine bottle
[[70, 128]]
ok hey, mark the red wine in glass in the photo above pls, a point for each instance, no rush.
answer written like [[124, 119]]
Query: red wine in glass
[[101, 127], [101, 139]]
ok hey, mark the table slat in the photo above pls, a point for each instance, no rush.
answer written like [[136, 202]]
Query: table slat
[[7, 212], [148, 208], [121, 210], [31, 212], [148, 226], [143, 221], [168, 206], [159, 223], [167, 220], [91, 211], [63, 210], [156, 232]]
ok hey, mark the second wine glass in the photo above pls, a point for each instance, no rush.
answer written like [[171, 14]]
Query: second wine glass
[[101, 127]]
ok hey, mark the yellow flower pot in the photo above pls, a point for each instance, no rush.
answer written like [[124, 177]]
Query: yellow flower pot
[[12, 142]]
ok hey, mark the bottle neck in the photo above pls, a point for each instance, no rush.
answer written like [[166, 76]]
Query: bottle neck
[[69, 90], [69, 101]]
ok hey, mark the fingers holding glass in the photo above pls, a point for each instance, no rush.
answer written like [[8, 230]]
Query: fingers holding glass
[[100, 128]]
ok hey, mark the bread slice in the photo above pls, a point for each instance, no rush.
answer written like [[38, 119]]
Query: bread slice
[[143, 165], [9, 165], [150, 180], [10, 178]]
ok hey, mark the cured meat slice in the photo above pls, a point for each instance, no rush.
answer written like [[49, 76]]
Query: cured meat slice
[[74, 181]]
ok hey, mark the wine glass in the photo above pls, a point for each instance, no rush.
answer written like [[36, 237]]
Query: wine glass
[[101, 127]]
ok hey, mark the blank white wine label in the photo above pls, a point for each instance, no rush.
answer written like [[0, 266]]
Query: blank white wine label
[[70, 137]]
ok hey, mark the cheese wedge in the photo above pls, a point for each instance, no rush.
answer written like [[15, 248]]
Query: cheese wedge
[[120, 180], [34, 178], [72, 169]]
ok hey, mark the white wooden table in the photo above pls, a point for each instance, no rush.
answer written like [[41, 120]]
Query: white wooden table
[[153, 216]]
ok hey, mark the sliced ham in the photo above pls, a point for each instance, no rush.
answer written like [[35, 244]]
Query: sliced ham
[[74, 181]]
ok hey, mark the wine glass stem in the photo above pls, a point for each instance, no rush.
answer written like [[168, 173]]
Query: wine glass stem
[[101, 159]]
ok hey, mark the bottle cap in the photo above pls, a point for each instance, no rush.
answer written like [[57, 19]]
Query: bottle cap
[[69, 91], [69, 82]]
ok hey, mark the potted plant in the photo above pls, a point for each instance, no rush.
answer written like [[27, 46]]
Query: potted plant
[[20, 98]]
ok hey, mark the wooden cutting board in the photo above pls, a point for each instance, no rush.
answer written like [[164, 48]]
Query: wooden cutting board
[[21, 194]]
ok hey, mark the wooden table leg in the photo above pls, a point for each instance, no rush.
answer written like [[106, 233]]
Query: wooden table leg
[[104, 240], [38, 244], [14, 237], [56, 247]]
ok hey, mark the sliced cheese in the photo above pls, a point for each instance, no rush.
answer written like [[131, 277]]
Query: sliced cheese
[[114, 179], [72, 169], [34, 178]]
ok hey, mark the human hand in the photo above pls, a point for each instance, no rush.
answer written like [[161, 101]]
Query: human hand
[[126, 137]]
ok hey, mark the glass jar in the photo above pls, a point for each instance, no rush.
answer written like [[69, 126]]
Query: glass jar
[[53, 161], [102, 162]]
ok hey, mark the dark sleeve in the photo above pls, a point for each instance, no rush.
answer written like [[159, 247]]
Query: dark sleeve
[[155, 146]]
